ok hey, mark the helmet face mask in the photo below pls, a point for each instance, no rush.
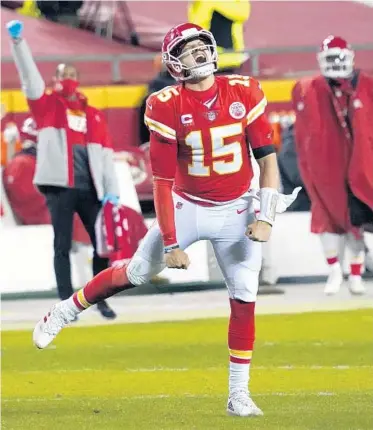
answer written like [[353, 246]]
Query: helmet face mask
[[189, 53], [336, 59]]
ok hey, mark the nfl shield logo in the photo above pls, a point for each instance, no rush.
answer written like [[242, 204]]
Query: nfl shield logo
[[211, 115], [179, 205]]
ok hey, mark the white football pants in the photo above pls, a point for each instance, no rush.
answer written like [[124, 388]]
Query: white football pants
[[238, 257]]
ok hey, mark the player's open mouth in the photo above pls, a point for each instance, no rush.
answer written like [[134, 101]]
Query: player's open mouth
[[200, 59]]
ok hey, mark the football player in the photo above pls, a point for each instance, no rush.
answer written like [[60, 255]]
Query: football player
[[201, 132], [333, 137]]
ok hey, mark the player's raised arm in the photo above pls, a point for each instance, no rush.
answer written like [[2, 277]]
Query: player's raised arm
[[163, 156], [259, 133]]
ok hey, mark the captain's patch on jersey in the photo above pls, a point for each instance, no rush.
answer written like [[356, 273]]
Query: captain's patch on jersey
[[237, 110]]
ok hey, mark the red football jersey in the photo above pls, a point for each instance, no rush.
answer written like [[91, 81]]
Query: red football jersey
[[204, 145]]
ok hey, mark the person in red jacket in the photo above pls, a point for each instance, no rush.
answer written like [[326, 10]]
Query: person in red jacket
[[27, 203], [333, 137]]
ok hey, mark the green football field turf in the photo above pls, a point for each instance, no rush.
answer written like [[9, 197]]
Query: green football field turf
[[310, 371]]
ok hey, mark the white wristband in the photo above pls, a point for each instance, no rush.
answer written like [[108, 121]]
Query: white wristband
[[268, 203]]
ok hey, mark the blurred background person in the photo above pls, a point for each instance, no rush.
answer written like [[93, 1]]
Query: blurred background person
[[9, 144], [333, 135], [28, 205], [75, 168], [10, 140], [225, 20]]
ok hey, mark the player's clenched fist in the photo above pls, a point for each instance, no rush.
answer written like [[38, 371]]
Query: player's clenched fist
[[177, 259], [259, 231]]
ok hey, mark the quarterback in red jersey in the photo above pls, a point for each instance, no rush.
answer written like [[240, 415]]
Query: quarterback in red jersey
[[202, 134]]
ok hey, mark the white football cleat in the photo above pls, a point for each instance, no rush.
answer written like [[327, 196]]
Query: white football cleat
[[49, 326], [335, 280], [356, 285], [240, 404]]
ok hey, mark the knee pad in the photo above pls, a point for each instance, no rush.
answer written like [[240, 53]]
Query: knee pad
[[140, 271]]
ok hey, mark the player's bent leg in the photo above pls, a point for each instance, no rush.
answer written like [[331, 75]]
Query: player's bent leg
[[240, 261], [147, 262]]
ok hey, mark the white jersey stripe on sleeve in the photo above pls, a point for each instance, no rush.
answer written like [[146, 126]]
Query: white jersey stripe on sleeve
[[161, 132], [256, 111], [156, 124]]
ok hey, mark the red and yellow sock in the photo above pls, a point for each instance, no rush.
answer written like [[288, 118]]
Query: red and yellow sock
[[241, 338], [107, 283]]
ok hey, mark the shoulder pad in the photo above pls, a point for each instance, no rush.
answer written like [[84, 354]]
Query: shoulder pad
[[160, 112]]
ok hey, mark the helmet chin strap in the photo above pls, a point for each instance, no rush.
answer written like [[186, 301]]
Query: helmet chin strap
[[202, 71]]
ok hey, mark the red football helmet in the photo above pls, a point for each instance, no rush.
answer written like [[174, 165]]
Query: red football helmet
[[336, 58], [197, 62], [29, 132]]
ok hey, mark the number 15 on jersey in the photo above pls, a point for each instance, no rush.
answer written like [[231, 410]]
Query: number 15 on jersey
[[219, 149]]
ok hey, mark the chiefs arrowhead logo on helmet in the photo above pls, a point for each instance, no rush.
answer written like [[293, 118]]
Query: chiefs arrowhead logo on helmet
[[336, 58], [185, 60]]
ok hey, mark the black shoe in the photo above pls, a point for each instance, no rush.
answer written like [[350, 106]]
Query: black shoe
[[106, 310]]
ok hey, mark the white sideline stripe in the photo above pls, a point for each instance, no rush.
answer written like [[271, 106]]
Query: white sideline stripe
[[167, 396], [186, 369]]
